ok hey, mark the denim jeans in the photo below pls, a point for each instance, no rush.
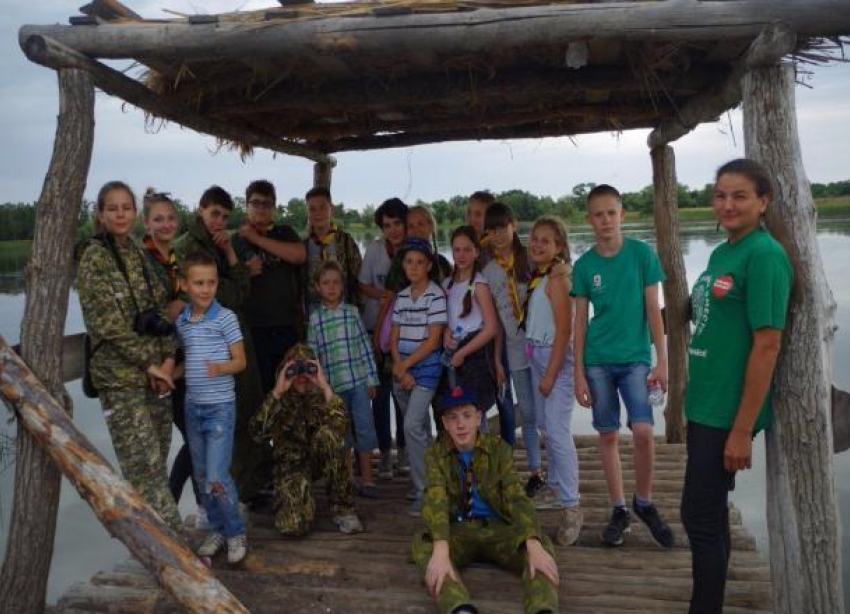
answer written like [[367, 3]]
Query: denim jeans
[[629, 379], [210, 432], [414, 406], [524, 388], [361, 423], [381, 406], [705, 515], [554, 418]]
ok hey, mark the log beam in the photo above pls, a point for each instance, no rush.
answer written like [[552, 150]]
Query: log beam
[[768, 48], [117, 505], [802, 515], [322, 172], [453, 33], [666, 215], [55, 55], [29, 550]]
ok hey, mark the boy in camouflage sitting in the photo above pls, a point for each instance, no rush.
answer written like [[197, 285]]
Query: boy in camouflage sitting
[[476, 509], [306, 422]]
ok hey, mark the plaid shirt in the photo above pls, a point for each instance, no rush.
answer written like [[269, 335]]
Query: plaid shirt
[[340, 342]]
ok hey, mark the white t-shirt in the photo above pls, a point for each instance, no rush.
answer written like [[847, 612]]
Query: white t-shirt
[[373, 271], [474, 321]]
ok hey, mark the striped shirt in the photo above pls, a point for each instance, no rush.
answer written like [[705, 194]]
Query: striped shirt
[[339, 340], [208, 339], [414, 316]]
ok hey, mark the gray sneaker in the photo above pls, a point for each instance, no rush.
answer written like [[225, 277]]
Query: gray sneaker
[[237, 548], [402, 462], [385, 466], [211, 545], [348, 523], [569, 526]]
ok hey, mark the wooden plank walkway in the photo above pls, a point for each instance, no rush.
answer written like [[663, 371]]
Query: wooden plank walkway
[[372, 572]]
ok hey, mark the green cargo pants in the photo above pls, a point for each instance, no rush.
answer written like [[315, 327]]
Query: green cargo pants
[[487, 541]]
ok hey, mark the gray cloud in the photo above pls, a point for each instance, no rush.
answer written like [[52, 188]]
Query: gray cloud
[[182, 161]]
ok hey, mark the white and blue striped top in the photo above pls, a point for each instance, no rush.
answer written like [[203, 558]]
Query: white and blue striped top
[[414, 318], [208, 339]]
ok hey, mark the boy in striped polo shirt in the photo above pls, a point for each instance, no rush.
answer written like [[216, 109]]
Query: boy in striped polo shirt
[[337, 335], [214, 352]]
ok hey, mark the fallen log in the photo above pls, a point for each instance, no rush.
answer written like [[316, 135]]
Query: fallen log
[[118, 506]]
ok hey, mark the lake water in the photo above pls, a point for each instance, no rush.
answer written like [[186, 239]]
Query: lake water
[[83, 547]]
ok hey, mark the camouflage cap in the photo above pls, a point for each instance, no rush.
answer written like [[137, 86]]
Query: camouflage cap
[[299, 351]]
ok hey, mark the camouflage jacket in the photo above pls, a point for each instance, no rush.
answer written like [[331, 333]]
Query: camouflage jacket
[[234, 282], [295, 417], [107, 300], [347, 254], [495, 479]]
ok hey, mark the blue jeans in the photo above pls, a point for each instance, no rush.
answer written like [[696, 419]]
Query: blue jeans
[[210, 432], [361, 423], [554, 418], [524, 388], [414, 406], [630, 380]]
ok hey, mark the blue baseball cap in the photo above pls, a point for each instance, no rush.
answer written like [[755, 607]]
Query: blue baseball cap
[[418, 245], [457, 396]]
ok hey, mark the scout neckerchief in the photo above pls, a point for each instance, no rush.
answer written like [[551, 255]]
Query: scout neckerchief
[[323, 241], [267, 257], [168, 262], [468, 476], [507, 265], [536, 277], [263, 230]]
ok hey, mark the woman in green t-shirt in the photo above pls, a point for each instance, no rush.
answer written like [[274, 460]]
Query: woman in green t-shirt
[[738, 312]]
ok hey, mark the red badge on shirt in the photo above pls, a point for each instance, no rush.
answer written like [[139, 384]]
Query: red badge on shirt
[[722, 285]]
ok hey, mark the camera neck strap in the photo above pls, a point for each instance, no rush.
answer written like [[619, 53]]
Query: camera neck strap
[[109, 242]]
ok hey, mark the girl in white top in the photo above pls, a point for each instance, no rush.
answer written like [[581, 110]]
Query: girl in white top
[[548, 322], [473, 322]]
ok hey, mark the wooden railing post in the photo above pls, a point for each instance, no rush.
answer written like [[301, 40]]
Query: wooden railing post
[[802, 516], [322, 172], [26, 567], [666, 215]]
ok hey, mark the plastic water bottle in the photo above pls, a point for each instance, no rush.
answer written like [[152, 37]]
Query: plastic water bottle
[[656, 394]]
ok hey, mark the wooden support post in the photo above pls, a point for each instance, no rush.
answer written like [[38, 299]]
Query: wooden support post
[[802, 516], [26, 567], [675, 288], [118, 506], [322, 172]]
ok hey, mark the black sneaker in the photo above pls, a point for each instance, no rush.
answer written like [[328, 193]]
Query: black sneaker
[[612, 534], [661, 532], [534, 485]]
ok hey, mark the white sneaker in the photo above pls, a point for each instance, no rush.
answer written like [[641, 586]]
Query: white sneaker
[[211, 545], [237, 548], [348, 523]]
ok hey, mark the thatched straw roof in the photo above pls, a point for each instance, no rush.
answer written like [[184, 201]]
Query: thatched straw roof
[[361, 75]]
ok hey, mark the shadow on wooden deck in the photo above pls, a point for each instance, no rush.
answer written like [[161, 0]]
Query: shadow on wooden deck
[[373, 571]]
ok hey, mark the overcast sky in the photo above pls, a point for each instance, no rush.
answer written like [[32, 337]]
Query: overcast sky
[[184, 163]]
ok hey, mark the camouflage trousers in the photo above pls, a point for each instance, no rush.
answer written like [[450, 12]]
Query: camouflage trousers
[[140, 426], [487, 541], [295, 468]]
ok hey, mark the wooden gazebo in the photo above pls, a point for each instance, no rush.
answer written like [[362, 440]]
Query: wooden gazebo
[[311, 80]]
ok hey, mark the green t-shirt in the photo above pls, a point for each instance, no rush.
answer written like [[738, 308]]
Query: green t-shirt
[[618, 333], [745, 288]]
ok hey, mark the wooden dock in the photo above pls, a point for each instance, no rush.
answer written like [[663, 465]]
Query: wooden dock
[[373, 572]]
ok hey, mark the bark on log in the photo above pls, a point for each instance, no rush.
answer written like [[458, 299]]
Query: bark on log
[[422, 37], [26, 567], [322, 172], [675, 288], [55, 55], [802, 515], [767, 49], [120, 508]]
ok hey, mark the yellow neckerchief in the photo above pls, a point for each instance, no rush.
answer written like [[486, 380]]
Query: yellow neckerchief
[[169, 263], [536, 277], [324, 240], [507, 265]]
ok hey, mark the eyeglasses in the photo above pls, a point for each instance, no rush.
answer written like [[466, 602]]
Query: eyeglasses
[[261, 202]]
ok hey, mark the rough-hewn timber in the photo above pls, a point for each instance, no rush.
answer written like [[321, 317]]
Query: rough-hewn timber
[[29, 550], [372, 572], [666, 215], [119, 508], [802, 512]]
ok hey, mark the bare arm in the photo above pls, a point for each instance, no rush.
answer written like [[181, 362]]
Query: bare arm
[[656, 330], [374, 292], [293, 252], [760, 366], [582, 390], [235, 365]]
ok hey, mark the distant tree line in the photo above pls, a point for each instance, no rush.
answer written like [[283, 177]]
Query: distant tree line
[[17, 220]]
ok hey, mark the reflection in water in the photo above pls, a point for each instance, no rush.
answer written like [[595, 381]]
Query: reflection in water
[[79, 531]]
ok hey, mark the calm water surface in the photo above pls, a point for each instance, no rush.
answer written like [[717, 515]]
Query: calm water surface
[[83, 546]]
